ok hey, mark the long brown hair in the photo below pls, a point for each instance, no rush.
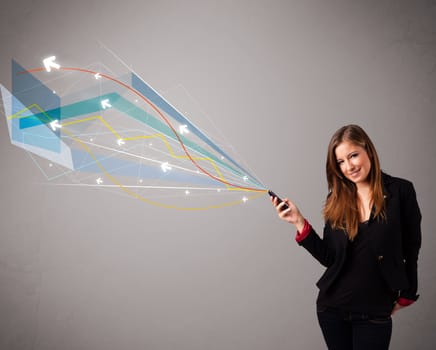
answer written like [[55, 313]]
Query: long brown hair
[[341, 208]]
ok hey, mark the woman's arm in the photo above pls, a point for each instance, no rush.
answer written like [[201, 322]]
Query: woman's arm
[[290, 214], [411, 238], [306, 235]]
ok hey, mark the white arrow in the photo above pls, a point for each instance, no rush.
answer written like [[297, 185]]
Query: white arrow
[[105, 104], [49, 63], [99, 181], [244, 199], [245, 178], [120, 142], [55, 125], [183, 129], [165, 167], [97, 76]]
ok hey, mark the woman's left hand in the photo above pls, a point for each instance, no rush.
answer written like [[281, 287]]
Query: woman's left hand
[[396, 308]]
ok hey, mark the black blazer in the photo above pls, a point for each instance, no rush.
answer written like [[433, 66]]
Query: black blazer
[[395, 243]]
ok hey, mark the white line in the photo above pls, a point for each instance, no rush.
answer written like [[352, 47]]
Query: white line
[[136, 156], [145, 187]]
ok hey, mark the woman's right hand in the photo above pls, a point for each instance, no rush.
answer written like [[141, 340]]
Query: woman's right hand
[[291, 214]]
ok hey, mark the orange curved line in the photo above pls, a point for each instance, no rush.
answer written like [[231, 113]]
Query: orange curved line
[[157, 110]]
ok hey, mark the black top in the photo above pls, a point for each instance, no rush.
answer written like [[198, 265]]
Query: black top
[[360, 286], [394, 242]]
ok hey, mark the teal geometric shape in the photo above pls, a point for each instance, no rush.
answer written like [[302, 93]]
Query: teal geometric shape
[[29, 91], [39, 142]]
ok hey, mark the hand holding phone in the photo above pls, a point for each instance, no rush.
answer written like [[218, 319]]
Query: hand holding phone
[[292, 216], [279, 200]]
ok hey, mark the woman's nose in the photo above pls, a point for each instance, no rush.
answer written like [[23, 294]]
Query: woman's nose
[[349, 165]]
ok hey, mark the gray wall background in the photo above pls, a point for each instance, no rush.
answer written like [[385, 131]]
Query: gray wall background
[[88, 269]]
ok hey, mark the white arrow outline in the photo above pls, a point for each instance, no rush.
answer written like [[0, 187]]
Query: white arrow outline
[[183, 129], [55, 125], [165, 167], [105, 104], [49, 63]]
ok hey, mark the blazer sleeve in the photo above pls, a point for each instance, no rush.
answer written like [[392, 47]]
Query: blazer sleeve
[[319, 248], [411, 239]]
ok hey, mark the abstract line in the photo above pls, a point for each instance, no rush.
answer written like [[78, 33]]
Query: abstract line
[[66, 134]]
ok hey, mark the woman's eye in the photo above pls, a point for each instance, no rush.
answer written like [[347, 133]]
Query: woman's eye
[[340, 162], [354, 155]]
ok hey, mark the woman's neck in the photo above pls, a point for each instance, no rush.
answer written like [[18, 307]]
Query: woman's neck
[[363, 189], [365, 198]]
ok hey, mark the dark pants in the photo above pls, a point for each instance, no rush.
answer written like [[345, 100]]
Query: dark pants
[[354, 331]]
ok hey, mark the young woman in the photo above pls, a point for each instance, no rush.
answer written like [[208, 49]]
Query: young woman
[[370, 244]]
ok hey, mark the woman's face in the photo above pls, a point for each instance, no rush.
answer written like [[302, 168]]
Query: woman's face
[[354, 162]]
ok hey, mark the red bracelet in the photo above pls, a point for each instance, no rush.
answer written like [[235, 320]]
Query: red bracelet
[[304, 232], [405, 302]]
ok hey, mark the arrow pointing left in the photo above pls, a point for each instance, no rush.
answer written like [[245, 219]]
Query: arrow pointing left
[[49, 63], [105, 104], [183, 129], [165, 167], [55, 125], [99, 181]]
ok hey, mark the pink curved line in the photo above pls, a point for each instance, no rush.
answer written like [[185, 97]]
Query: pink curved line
[[157, 110]]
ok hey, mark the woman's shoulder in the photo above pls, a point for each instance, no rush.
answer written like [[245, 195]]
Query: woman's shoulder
[[394, 184], [393, 180]]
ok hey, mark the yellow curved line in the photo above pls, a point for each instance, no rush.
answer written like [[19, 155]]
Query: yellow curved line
[[172, 154], [34, 105], [99, 117], [112, 130], [115, 181], [143, 199]]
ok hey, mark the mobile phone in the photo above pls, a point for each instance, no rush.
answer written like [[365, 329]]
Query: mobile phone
[[272, 194]]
